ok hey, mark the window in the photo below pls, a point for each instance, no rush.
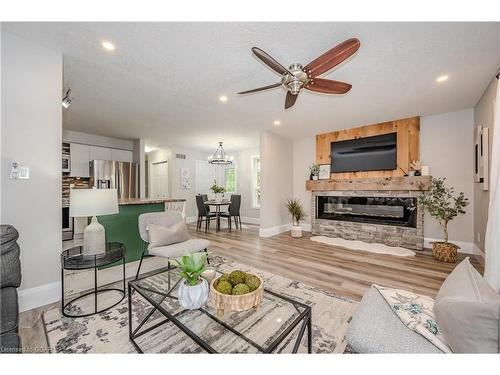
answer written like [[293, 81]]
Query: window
[[230, 180], [256, 182]]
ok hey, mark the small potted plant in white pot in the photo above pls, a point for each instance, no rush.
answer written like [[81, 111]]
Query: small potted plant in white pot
[[298, 213], [193, 289], [218, 191], [444, 206], [314, 169]]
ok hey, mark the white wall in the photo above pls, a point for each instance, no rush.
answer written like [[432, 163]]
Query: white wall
[[244, 183], [276, 157], [446, 145], [31, 135], [304, 155]]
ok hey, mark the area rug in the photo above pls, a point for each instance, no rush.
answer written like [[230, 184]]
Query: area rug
[[365, 246], [108, 332]]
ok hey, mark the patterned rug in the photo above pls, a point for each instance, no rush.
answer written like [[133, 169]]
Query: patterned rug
[[108, 332]]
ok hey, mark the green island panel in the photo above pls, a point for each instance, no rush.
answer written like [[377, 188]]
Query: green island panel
[[123, 227]]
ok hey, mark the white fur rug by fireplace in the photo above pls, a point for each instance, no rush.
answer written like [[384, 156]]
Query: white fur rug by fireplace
[[365, 246]]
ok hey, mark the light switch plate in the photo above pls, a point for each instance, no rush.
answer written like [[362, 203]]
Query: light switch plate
[[14, 169], [24, 173]]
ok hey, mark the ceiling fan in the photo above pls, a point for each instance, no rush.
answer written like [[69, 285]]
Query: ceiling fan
[[297, 77]]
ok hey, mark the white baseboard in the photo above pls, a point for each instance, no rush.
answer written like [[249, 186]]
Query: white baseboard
[[39, 296], [250, 220], [465, 247], [273, 231], [191, 219]]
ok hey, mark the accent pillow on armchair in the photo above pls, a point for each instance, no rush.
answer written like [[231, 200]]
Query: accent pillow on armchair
[[467, 310], [163, 236]]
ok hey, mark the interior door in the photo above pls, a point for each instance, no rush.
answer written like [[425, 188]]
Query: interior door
[[159, 180]]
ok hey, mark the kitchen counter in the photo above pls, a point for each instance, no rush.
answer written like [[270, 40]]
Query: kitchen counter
[[131, 201]]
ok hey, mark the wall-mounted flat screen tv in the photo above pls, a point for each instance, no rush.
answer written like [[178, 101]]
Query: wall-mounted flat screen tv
[[364, 154]]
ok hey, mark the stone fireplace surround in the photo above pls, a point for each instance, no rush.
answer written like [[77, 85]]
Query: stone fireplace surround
[[391, 235]]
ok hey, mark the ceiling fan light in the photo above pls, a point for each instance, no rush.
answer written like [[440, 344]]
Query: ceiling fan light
[[295, 87]]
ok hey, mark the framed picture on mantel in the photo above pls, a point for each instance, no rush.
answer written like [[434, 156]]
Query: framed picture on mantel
[[324, 171]]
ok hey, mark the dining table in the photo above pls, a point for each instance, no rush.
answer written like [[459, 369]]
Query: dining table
[[217, 205]]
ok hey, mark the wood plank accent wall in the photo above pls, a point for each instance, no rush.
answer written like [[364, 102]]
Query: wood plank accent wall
[[408, 134]]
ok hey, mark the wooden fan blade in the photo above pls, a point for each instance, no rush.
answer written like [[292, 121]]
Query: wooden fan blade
[[270, 62], [261, 88], [328, 86], [290, 99], [332, 58]]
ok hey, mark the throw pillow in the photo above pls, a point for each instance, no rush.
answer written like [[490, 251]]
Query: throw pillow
[[163, 236], [467, 310]]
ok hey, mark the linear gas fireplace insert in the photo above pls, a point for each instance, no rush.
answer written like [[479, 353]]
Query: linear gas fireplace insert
[[397, 211]]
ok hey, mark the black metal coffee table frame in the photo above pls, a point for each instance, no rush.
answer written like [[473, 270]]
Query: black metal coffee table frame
[[75, 259], [304, 316]]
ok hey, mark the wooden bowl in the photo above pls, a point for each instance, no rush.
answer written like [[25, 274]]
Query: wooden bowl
[[229, 302]]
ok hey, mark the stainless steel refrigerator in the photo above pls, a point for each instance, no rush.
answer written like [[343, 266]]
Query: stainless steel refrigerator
[[122, 176]]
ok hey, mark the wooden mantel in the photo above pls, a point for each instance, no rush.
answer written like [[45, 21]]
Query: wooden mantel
[[416, 183]]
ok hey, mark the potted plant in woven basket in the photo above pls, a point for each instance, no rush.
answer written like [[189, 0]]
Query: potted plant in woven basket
[[444, 205], [298, 213]]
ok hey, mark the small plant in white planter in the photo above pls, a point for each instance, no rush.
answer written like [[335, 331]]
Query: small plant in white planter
[[314, 169], [218, 191], [193, 289], [298, 213]]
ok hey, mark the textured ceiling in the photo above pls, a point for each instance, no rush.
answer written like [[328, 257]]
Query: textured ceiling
[[163, 81]]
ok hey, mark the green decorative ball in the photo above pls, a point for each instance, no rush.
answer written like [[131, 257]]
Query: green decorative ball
[[241, 289], [237, 277], [224, 287], [252, 282]]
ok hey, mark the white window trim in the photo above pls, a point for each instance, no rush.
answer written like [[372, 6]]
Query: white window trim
[[254, 181]]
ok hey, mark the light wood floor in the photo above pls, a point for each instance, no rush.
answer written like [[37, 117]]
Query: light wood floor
[[345, 272]]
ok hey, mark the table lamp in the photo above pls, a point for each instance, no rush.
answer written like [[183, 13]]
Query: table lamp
[[93, 202]]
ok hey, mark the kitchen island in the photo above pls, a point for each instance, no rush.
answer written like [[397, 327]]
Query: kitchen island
[[123, 226]]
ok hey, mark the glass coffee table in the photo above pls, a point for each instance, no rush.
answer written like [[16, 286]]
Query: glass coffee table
[[279, 322]]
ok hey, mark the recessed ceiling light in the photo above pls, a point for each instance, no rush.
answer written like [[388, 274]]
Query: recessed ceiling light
[[277, 123], [442, 78], [223, 98], [108, 45]]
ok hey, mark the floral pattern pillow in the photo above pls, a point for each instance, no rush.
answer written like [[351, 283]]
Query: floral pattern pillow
[[416, 312]]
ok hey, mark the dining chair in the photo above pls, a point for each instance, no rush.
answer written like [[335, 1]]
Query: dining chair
[[233, 211], [203, 213]]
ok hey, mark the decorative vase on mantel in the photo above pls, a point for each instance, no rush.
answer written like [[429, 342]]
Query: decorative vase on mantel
[[219, 197]]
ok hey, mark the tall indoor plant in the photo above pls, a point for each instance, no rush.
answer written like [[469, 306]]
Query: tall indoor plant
[[444, 205], [193, 289], [298, 213], [218, 191]]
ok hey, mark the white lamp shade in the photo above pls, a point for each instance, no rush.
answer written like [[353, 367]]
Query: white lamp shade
[[92, 202]]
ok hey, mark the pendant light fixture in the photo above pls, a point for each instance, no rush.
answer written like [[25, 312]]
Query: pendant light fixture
[[220, 157]]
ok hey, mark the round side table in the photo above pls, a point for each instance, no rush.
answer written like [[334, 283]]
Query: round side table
[[76, 259]]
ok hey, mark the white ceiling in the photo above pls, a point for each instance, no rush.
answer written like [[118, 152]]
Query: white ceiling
[[163, 81]]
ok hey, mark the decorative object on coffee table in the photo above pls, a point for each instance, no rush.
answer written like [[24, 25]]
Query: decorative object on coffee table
[[193, 289], [298, 213], [76, 259], [314, 172], [444, 206], [237, 291], [324, 172]]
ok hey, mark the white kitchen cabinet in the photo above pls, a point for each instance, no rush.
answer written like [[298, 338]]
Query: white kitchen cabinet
[[100, 153], [121, 155], [80, 157]]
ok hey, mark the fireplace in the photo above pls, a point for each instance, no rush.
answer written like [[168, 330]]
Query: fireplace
[[395, 211]]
